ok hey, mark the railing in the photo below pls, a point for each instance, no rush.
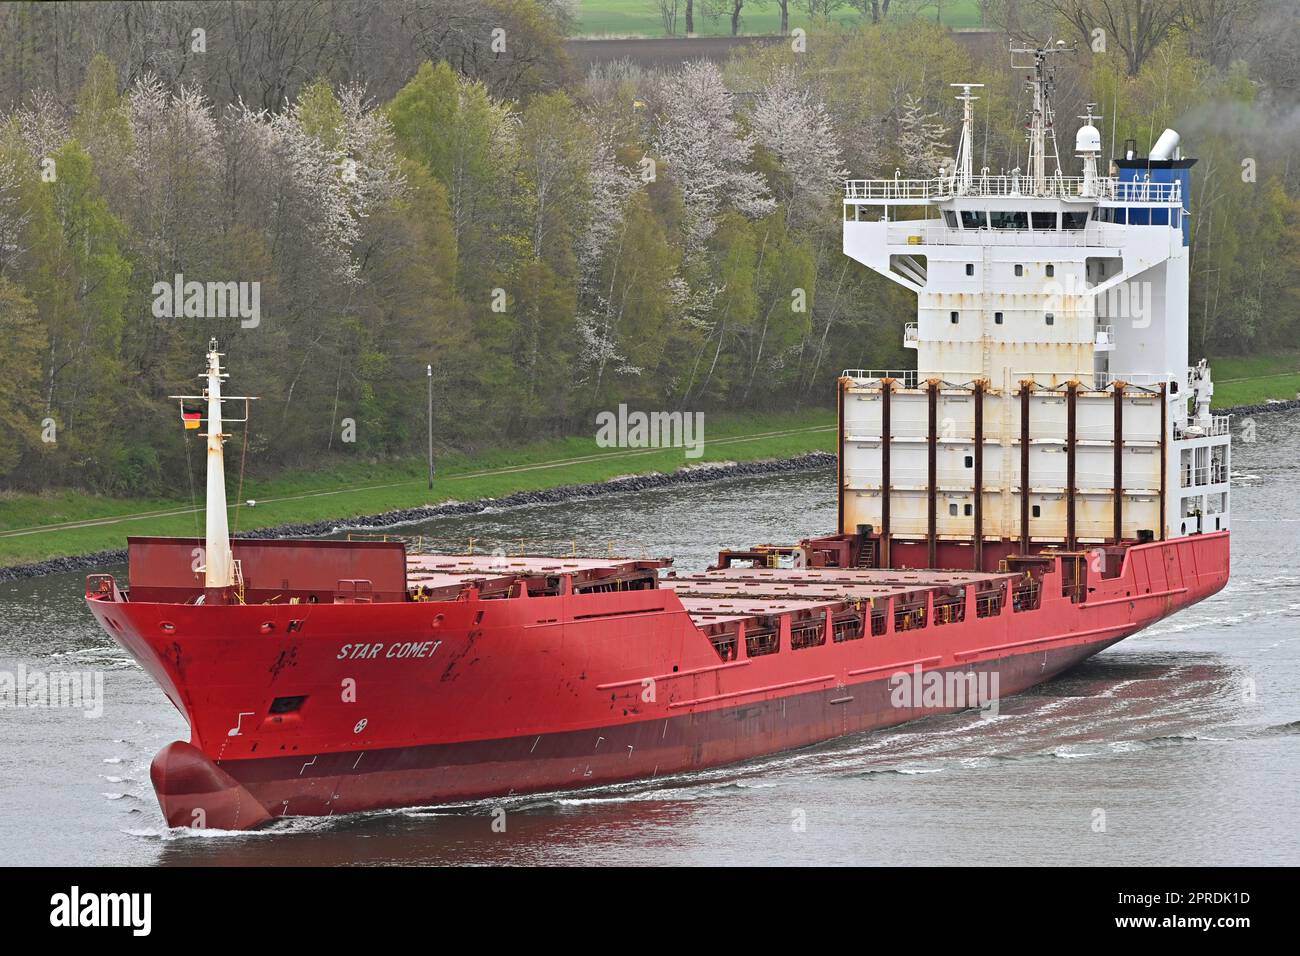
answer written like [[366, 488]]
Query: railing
[[1057, 187], [869, 376]]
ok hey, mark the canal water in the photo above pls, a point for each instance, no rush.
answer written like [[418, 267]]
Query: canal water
[[1180, 745]]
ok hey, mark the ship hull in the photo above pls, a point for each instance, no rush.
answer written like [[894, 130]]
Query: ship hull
[[547, 694]]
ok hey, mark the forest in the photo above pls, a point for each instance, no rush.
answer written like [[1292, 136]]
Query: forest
[[433, 183]]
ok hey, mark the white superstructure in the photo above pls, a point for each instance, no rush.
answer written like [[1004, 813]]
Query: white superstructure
[[1052, 405]]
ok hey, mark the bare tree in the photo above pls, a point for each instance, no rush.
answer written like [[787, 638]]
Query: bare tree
[[1136, 27]]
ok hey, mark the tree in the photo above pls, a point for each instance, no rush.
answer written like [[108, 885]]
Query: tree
[[791, 124], [705, 151], [922, 141], [1137, 27]]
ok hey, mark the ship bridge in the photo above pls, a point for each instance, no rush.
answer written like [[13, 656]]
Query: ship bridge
[[1052, 405]]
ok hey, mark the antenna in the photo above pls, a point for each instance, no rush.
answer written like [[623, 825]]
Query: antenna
[[1042, 118], [961, 170]]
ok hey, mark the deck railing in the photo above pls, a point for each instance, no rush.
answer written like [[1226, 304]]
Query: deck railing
[[1013, 186]]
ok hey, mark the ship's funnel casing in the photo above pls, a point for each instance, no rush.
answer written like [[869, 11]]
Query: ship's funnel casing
[[1159, 167], [1166, 146]]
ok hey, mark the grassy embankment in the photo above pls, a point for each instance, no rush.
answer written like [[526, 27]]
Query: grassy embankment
[[1253, 380], [34, 527], [641, 18]]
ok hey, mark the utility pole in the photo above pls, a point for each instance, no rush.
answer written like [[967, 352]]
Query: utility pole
[[429, 370]]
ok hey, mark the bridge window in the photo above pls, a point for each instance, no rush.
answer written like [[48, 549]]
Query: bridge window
[[1044, 221], [974, 219], [950, 218], [1074, 220], [1010, 219]]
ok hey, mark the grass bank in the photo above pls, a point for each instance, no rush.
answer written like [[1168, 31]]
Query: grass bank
[[641, 18], [37, 527], [1253, 380]]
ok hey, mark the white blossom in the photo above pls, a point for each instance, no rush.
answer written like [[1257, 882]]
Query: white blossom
[[699, 139], [794, 125], [921, 140]]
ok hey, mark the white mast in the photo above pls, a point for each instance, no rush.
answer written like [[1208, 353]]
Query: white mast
[[1042, 119], [219, 568], [962, 172], [218, 563]]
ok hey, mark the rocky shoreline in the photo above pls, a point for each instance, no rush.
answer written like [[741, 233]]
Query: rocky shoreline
[[696, 474]]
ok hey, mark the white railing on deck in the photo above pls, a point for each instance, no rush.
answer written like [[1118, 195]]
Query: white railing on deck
[[905, 377], [1057, 187]]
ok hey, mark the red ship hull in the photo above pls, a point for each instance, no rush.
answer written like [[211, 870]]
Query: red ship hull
[[365, 706]]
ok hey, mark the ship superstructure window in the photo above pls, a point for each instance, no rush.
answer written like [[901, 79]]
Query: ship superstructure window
[[1074, 220], [1051, 270], [974, 219], [1009, 219], [997, 318], [1020, 270], [953, 317], [1038, 511], [970, 461], [1045, 221], [1050, 317], [969, 510], [970, 268]]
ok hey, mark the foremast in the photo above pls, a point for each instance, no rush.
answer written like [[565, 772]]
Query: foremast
[[219, 568]]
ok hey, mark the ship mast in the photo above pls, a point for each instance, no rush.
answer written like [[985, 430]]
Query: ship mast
[[219, 569], [1042, 118], [219, 566], [962, 171]]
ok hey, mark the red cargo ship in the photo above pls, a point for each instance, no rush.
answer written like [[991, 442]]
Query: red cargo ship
[[995, 528]]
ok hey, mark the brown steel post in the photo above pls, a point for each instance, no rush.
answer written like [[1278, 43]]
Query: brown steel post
[[1071, 440], [886, 390], [1164, 453], [839, 454], [1024, 468], [978, 543], [932, 559], [1119, 462]]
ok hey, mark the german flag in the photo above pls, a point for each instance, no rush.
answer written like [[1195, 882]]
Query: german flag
[[191, 417]]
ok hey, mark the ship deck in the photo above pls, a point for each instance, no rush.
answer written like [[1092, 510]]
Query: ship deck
[[712, 597]]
